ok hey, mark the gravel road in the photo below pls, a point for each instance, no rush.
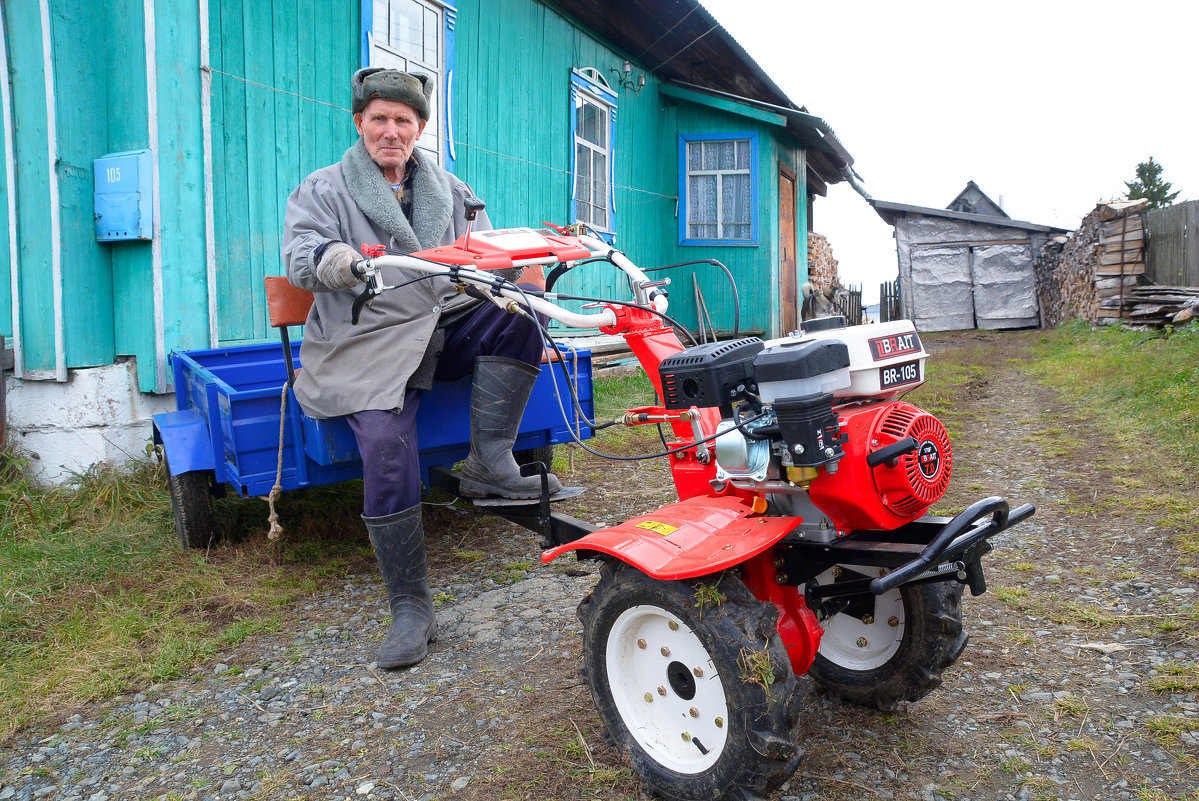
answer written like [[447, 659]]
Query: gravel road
[[1075, 684]]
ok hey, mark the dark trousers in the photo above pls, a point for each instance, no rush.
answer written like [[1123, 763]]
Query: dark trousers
[[387, 440]]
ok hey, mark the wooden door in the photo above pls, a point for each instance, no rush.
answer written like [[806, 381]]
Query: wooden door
[[789, 309]]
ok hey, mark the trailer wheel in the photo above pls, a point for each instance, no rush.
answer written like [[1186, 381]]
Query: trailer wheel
[[890, 648], [697, 693], [191, 501]]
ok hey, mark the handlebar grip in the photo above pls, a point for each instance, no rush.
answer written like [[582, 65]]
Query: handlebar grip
[[358, 270]]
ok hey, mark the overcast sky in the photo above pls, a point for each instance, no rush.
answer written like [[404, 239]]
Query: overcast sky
[[1049, 105]]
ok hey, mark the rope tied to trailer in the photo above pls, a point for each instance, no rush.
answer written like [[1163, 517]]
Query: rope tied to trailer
[[276, 529]]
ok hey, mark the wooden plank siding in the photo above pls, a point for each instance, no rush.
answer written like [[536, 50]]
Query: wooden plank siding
[[24, 28], [128, 129], [1173, 252], [522, 169], [280, 109]]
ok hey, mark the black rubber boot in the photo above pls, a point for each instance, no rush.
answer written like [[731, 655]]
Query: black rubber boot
[[499, 392], [399, 541]]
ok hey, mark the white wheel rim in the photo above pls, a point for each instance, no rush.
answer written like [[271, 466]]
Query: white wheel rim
[[684, 734], [855, 645]]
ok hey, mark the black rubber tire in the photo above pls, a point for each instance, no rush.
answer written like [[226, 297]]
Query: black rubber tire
[[932, 640], [760, 749], [191, 501], [543, 454]]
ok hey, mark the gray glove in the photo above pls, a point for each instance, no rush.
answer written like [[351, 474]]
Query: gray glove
[[334, 268]]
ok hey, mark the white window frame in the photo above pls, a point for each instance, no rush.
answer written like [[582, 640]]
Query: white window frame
[[379, 51], [686, 174], [587, 85]]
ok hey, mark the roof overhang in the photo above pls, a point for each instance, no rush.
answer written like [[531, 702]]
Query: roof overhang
[[688, 51], [890, 212]]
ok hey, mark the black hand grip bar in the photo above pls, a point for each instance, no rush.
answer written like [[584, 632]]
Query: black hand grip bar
[[473, 206], [356, 310], [892, 452], [995, 507]]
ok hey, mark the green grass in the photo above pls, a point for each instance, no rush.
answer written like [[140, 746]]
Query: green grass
[[1152, 383], [1146, 389], [97, 597]]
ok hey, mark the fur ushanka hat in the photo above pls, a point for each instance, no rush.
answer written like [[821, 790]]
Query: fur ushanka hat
[[370, 83]]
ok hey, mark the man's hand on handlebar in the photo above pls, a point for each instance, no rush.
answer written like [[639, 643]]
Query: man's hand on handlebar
[[336, 269]]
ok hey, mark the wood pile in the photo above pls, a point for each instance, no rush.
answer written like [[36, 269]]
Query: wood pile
[[1155, 305], [1119, 256], [1097, 273], [822, 267]]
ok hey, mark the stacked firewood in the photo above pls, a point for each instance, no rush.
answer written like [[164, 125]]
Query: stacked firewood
[[1119, 256], [1065, 270], [822, 267], [1097, 273]]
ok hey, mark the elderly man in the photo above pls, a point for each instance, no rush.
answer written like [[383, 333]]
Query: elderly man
[[385, 192]]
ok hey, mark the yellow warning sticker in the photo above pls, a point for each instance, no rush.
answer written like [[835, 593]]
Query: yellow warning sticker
[[658, 528]]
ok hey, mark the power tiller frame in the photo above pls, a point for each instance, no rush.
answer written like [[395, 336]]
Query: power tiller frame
[[801, 533]]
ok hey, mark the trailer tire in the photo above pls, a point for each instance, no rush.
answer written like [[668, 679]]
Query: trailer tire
[[191, 502], [900, 655], [721, 717]]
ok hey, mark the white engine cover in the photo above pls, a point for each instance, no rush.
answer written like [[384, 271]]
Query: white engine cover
[[884, 358]]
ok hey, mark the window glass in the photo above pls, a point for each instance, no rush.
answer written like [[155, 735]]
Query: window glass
[[592, 185], [406, 35], [719, 189]]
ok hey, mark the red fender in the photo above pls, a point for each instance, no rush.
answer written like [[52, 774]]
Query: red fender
[[694, 537]]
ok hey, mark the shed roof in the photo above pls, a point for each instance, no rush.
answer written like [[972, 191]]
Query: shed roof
[[890, 212], [681, 43]]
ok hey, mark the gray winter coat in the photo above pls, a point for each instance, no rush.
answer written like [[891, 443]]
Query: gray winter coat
[[350, 368]]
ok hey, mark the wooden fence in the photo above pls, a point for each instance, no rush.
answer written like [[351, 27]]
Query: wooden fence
[[888, 301], [1173, 250]]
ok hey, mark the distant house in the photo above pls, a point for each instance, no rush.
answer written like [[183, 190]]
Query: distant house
[[968, 265], [646, 121]]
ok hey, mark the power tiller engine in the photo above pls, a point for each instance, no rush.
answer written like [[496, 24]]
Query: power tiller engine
[[812, 421]]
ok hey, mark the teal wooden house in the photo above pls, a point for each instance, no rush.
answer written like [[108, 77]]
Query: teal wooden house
[[642, 118]]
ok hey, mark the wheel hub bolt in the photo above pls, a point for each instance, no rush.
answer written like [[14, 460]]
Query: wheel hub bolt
[[699, 673], [893, 621], [861, 642], [719, 723], [694, 712], [674, 626], [867, 619], [662, 690], [649, 698], [641, 644], [665, 651]]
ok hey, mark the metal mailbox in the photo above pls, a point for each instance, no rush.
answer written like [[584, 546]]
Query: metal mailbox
[[124, 204]]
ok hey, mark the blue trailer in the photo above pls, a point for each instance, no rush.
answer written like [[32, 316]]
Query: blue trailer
[[232, 415]]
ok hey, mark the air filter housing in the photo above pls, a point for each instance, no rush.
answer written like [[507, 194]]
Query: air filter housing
[[708, 375]]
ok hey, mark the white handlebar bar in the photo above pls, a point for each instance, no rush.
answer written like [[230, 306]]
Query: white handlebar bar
[[495, 291]]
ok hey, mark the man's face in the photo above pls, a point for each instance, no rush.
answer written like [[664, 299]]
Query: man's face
[[389, 130]]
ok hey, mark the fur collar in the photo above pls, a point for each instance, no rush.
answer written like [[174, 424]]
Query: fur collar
[[432, 205]]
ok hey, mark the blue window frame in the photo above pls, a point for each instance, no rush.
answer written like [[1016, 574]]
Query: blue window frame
[[592, 135], [718, 186]]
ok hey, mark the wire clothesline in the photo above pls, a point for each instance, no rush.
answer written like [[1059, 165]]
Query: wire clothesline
[[456, 143]]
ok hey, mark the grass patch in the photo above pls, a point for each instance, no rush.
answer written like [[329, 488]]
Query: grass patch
[[1175, 678], [97, 598]]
